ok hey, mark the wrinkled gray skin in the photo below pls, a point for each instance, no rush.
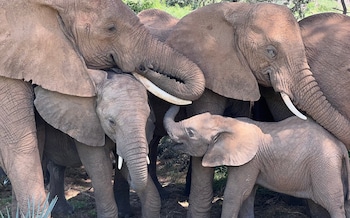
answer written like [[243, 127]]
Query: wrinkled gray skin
[[62, 151], [160, 24], [256, 44], [123, 116], [326, 38], [279, 156], [55, 53]]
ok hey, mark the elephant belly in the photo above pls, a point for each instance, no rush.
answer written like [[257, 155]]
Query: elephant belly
[[284, 183]]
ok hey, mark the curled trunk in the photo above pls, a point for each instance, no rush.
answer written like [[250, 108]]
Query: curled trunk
[[172, 72], [173, 129]]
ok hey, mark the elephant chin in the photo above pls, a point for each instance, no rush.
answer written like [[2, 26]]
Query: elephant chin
[[291, 106], [159, 92]]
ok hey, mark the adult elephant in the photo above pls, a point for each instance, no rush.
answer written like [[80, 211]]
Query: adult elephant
[[326, 38], [124, 116], [237, 46], [54, 44]]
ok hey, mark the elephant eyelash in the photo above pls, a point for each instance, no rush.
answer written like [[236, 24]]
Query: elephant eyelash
[[215, 138]]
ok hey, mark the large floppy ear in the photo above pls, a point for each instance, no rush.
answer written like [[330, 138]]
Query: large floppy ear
[[72, 115], [34, 47], [211, 43], [236, 145]]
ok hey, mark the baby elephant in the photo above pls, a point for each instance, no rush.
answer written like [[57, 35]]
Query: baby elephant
[[293, 157]]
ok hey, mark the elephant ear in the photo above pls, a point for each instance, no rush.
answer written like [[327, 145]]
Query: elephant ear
[[72, 115], [33, 47], [236, 145], [211, 43]]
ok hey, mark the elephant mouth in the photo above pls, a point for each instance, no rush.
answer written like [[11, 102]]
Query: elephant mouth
[[155, 90]]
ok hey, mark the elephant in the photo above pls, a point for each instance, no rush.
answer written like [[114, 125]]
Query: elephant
[[56, 44], [158, 22], [326, 46], [239, 46], [61, 151], [122, 121], [277, 155]]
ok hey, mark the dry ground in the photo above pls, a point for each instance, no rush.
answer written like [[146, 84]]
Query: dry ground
[[172, 168]]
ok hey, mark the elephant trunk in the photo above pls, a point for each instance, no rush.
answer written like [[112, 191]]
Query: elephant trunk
[[309, 98], [135, 154], [173, 128], [172, 71]]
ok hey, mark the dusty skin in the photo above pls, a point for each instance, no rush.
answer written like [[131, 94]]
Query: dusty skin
[[172, 168]]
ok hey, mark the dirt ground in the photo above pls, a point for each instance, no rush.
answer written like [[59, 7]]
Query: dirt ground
[[172, 168]]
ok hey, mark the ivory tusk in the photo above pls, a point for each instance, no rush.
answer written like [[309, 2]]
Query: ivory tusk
[[155, 90], [147, 160], [291, 106], [120, 162]]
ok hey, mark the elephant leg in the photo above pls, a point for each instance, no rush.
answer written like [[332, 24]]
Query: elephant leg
[[247, 208], [19, 154], [201, 193], [317, 211], [98, 165], [150, 200], [152, 167], [188, 179], [121, 190], [56, 188]]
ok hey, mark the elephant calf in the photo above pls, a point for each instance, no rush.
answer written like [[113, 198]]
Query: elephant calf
[[79, 130], [293, 156]]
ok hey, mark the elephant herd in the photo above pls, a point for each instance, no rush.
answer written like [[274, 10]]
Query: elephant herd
[[74, 77]]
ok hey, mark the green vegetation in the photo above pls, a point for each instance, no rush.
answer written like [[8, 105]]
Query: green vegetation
[[33, 211], [319, 6], [176, 10], [179, 8]]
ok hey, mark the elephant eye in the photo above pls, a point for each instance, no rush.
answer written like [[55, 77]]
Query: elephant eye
[[271, 52], [111, 28], [190, 132], [215, 138], [111, 122]]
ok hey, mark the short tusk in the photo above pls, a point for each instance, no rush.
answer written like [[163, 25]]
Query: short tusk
[[120, 162], [155, 90], [291, 106], [147, 160]]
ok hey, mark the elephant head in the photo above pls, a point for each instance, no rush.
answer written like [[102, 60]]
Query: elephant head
[[213, 137], [238, 45], [52, 43], [123, 116], [158, 22]]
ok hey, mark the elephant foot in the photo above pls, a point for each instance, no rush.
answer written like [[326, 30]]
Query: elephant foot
[[62, 209], [125, 215]]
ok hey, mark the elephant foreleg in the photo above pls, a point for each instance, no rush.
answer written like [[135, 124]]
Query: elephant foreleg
[[56, 188], [150, 200], [19, 154], [98, 165], [121, 189]]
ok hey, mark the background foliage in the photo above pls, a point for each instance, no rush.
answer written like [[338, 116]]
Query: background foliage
[[180, 8]]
